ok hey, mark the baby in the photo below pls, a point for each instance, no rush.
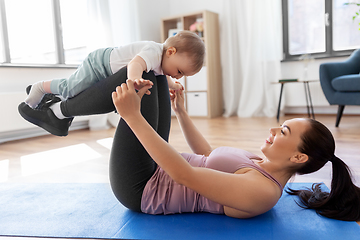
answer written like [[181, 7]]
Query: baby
[[180, 55]]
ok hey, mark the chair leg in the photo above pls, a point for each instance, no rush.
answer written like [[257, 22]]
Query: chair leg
[[339, 114]]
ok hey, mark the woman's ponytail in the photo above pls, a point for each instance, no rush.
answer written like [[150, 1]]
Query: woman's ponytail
[[344, 199]]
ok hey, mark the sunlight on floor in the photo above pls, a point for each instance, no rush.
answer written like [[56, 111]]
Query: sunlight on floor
[[57, 158], [106, 142], [4, 170]]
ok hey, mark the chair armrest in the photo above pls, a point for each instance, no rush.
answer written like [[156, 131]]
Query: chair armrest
[[329, 71]]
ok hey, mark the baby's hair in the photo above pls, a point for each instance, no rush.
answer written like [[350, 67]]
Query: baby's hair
[[189, 43]]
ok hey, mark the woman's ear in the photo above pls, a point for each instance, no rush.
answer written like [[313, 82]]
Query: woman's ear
[[299, 158], [170, 51]]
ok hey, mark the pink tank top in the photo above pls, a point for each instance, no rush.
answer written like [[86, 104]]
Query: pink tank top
[[162, 195]]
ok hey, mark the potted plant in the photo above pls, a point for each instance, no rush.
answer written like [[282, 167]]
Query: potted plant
[[357, 14]]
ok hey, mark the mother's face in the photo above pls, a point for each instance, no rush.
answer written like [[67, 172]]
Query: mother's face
[[284, 141]]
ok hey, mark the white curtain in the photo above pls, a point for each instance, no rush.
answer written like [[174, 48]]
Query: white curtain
[[251, 47], [112, 23], [99, 25], [124, 16]]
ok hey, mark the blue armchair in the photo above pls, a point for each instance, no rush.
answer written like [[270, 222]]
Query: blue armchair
[[340, 82]]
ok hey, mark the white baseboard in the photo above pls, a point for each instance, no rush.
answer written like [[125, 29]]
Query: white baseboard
[[37, 131], [351, 110]]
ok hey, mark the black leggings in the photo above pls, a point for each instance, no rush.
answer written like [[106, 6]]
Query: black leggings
[[130, 165]]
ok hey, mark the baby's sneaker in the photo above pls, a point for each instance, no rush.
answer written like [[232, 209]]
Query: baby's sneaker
[[45, 119]]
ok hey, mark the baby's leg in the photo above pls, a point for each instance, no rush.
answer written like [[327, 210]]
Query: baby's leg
[[95, 67]]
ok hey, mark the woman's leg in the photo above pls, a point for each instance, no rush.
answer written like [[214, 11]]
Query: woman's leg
[[164, 121], [130, 165], [95, 99]]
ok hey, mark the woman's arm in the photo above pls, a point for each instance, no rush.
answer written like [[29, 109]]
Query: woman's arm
[[194, 138], [243, 193]]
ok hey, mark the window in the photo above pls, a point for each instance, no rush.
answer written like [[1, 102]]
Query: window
[[346, 32], [322, 28], [29, 44], [43, 31]]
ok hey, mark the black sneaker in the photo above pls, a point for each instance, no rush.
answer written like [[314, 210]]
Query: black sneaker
[[48, 99], [45, 119]]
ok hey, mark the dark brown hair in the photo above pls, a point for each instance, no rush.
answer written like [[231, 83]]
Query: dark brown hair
[[343, 201]]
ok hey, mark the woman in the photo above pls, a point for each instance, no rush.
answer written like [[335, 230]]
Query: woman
[[148, 175]]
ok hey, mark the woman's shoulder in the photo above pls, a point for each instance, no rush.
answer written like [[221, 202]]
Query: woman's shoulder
[[261, 196]]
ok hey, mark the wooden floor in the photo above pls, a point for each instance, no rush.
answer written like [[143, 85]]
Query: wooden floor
[[82, 156]]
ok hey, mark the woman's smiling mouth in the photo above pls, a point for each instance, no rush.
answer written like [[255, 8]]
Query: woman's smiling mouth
[[269, 141]]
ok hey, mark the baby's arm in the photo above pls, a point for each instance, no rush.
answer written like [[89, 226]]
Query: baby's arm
[[135, 69], [174, 85]]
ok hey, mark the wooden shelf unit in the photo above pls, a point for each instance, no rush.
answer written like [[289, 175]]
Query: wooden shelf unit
[[204, 99]]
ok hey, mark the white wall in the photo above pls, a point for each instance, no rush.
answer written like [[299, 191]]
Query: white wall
[[16, 79], [187, 6], [146, 22], [151, 13]]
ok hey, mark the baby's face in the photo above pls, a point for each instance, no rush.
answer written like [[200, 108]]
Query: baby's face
[[176, 65]]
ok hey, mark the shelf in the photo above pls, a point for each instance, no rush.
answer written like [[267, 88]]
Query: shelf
[[203, 95]]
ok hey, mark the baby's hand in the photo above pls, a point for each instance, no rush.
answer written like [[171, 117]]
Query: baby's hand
[[177, 86], [140, 83]]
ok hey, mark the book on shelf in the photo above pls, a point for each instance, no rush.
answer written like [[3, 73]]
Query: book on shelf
[[288, 80]]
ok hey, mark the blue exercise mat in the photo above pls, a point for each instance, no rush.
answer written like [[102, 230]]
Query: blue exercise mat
[[90, 210]]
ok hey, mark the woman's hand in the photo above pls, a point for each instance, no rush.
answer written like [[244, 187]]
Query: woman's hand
[[127, 100], [177, 100], [177, 86]]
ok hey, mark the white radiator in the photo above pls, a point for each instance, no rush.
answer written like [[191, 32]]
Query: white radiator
[[14, 127]]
